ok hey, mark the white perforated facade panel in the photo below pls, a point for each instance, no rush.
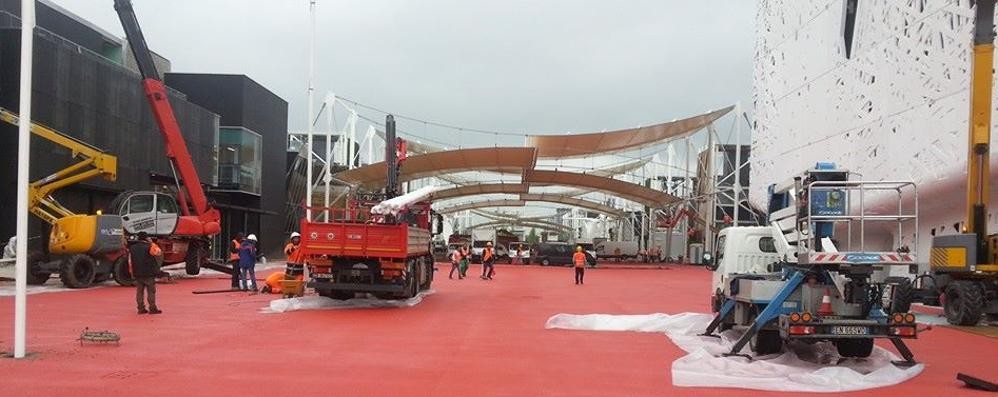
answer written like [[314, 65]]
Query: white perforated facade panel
[[896, 109]]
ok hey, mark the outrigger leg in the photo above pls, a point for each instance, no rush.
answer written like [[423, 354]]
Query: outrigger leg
[[770, 312]]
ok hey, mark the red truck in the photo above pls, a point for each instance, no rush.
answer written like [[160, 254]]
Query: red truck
[[359, 252]]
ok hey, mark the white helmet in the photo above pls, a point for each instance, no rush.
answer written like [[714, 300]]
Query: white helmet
[[295, 234], [251, 237]]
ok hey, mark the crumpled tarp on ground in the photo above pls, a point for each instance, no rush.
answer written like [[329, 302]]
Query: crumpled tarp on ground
[[314, 302], [802, 368]]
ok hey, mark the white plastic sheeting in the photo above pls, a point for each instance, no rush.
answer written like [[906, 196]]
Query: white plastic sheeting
[[394, 205], [803, 368], [324, 303]]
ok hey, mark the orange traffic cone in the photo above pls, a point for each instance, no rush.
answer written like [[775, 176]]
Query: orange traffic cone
[[826, 304]]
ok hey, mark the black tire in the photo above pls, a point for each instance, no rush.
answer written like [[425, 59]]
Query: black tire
[[901, 296], [341, 295], [545, 262], [854, 347], [121, 273], [197, 253], [78, 271], [964, 303], [427, 275], [767, 341]]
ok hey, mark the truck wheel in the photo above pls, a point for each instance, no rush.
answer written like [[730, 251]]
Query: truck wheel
[[341, 295], [545, 262], [767, 341], [78, 271], [901, 296], [964, 303], [197, 252], [427, 275], [849, 347], [121, 274]]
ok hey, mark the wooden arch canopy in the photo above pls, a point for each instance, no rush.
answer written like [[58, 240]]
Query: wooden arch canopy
[[496, 159], [481, 188], [576, 145], [630, 191], [524, 198]]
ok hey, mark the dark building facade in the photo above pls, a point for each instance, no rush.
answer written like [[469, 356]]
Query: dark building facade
[[252, 142], [85, 85], [88, 96]]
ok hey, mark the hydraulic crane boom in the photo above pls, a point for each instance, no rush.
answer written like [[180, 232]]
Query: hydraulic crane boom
[[42, 204], [979, 158], [191, 195]]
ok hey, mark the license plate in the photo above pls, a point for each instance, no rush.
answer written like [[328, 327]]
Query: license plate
[[850, 330], [322, 275]]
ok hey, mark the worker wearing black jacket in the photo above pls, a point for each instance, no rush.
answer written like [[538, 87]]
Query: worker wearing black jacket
[[143, 263]]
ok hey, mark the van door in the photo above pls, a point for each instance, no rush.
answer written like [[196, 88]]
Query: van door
[[166, 214], [138, 213]]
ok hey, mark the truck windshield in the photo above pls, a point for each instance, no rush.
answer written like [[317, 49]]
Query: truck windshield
[[479, 244], [719, 251]]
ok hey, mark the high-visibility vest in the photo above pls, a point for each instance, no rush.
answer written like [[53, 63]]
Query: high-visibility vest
[[579, 259], [289, 250]]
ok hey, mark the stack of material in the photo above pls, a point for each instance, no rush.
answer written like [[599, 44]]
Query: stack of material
[[395, 205]]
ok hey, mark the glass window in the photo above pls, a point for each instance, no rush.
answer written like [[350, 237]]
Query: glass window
[[140, 203], [240, 159], [166, 205], [766, 244]]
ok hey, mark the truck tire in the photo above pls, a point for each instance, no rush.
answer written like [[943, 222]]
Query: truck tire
[[342, 295], [427, 275], [78, 271], [545, 262], [121, 274], [901, 296], [197, 252], [767, 341], [964, 303], [854, 347]]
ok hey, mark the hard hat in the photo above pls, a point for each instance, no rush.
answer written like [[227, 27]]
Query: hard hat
[[251, 237], [295, 234], [578, 248], [489, 244]]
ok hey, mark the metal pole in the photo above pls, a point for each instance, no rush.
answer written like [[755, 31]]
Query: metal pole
[[711, 217], [370, 144], [23, 160], [327, 175], [353, 138], [311, 110], [738, 160]]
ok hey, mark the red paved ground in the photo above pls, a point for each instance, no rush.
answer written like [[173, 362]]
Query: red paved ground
[[471, 338]]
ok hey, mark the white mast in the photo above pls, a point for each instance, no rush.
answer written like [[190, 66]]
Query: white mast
[[23, 158], [311, 111]]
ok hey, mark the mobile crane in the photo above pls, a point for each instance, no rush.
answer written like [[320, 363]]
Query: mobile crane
[[964, 266], [85, 246], [184, 223]]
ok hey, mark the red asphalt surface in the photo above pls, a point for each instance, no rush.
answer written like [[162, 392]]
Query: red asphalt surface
[[470, 338]]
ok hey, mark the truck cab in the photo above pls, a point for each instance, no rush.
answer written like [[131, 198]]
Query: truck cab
[[741, 250]]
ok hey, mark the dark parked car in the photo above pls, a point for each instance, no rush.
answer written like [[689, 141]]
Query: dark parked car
[[559, 254]]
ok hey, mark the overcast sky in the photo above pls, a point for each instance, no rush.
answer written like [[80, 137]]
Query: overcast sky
[[510, 65]]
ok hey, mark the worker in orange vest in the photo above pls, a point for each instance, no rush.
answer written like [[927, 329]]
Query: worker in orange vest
[[488, 262], [237, 241], [143, 264], [579, 259], [294, 269]]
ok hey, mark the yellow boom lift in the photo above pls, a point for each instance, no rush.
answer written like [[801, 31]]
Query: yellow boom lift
[[964, 267], [81, 248]]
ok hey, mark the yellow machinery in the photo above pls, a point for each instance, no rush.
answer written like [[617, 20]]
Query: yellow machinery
[[91, 242], [964, 266]]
